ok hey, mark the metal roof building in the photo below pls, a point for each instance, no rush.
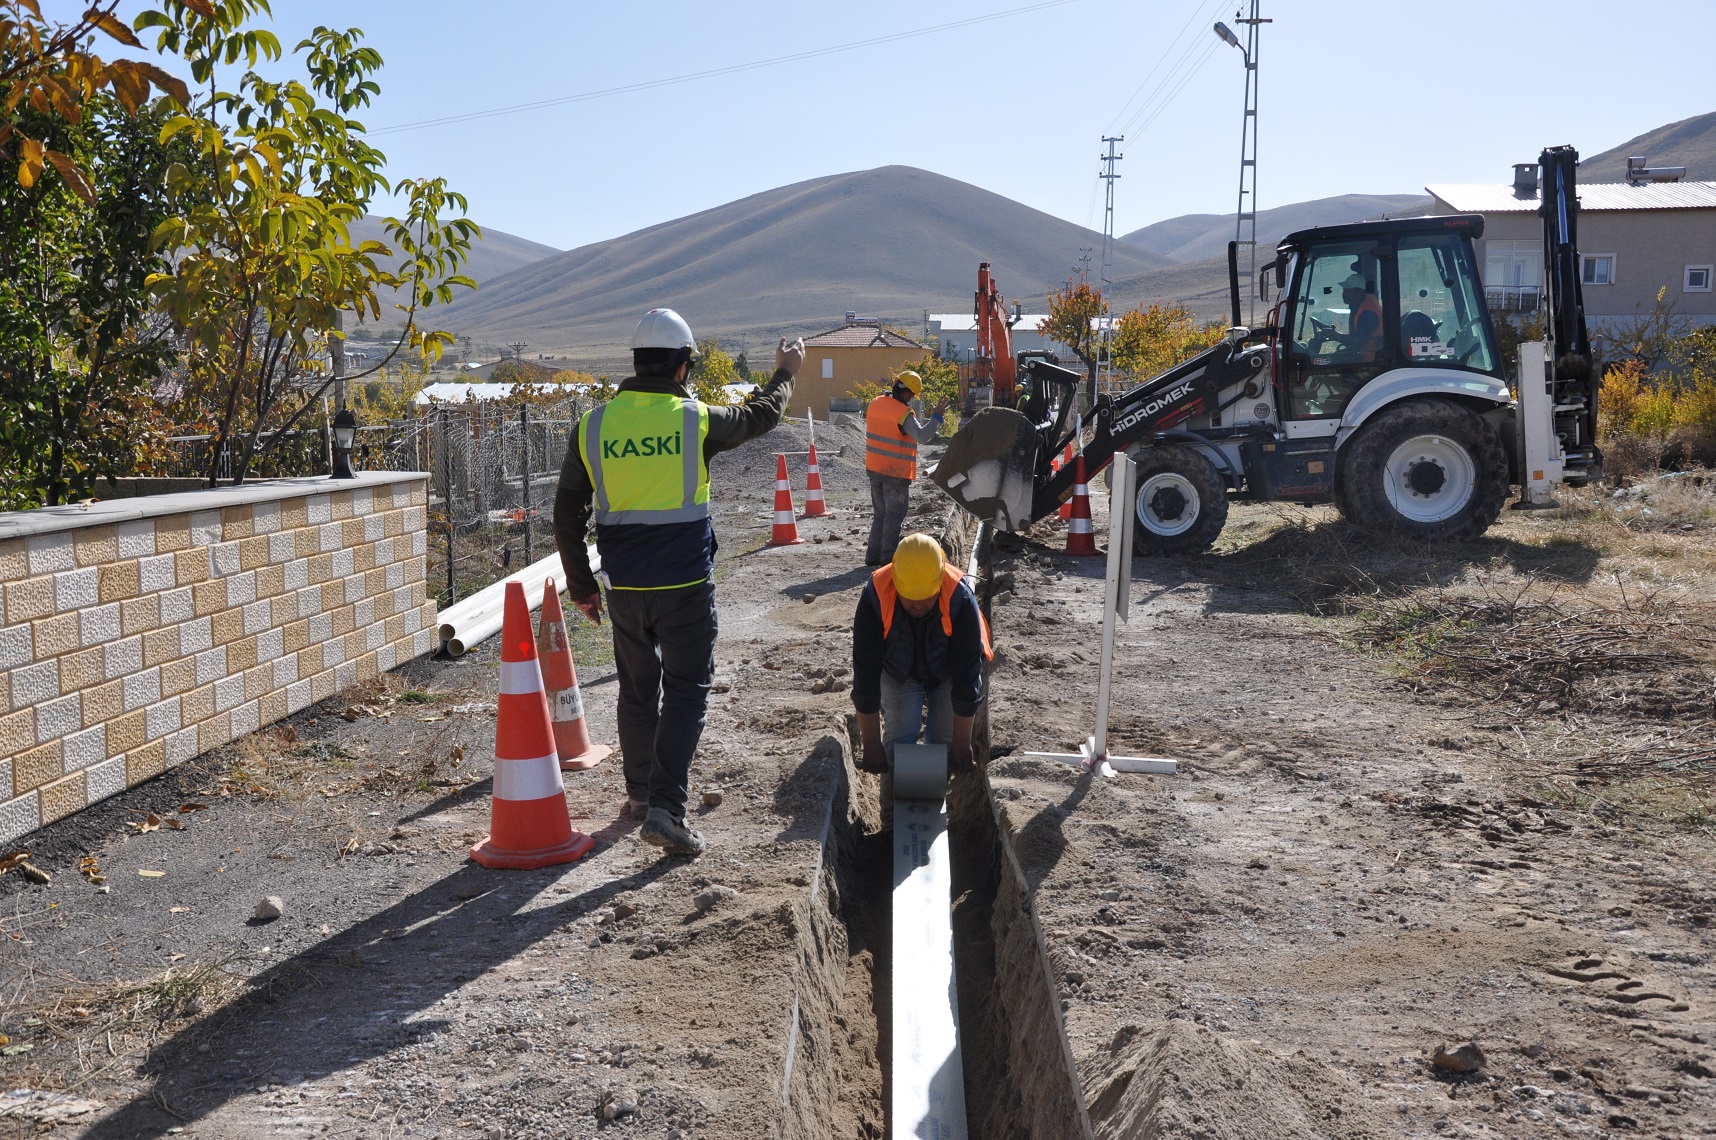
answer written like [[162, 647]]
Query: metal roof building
[[1634, 242]]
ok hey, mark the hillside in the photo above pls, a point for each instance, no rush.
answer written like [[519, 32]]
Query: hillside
[[494, 254], [1196, 237], [886, 242], [1690, 143]]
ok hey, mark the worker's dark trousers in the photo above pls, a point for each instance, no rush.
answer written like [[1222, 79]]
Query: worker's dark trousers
[[664, 651], [888, 499]]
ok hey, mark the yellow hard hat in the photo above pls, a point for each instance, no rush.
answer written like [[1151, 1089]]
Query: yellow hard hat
[[913, 382], [917, 567]]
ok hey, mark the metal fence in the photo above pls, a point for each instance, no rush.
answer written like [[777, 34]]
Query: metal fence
[[493, 472], [493, 467]]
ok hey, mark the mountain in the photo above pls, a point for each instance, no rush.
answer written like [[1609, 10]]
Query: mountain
[[494, 254], [1690, 143], [885, 242], [1196, 237]]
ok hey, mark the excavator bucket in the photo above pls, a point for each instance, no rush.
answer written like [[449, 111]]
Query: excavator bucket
[[990, 467]]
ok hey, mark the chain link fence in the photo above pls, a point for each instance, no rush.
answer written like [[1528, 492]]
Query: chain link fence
[[494, 469], [493, 472]]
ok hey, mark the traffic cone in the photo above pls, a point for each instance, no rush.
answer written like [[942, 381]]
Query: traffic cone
[[531, 825], [786, 529], [814, 505], [1066, 507], [560, 680], [1080, 538]]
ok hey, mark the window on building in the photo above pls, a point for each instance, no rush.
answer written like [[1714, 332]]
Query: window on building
[[1513, 274], [1597, 269], [828, 368], [1697, 279]]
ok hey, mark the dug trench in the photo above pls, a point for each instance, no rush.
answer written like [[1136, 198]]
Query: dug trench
[[1348, 873]]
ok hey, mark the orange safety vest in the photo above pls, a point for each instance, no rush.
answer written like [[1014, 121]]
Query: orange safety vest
[[887, 449], [1371, 344], [951, 576]]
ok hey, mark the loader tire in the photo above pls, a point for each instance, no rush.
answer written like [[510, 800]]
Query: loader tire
[[1429, 468], [1181, 502]]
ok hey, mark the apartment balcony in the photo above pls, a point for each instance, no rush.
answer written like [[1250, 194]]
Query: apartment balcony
[[1512, 298]]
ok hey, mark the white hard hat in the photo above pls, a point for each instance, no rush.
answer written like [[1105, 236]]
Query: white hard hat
[[663, 328]]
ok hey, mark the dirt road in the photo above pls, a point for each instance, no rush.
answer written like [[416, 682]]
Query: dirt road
[[408, 992], [1431, 797]]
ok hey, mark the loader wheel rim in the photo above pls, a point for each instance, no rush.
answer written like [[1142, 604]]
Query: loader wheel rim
[[1430, 478], [1169, 504]]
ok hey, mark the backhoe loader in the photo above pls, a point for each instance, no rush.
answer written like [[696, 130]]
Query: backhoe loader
[[1376, 385]]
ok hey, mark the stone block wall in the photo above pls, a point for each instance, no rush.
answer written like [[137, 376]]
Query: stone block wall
[[137, 634]]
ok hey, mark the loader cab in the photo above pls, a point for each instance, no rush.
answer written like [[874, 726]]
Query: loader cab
[[1372, 298]]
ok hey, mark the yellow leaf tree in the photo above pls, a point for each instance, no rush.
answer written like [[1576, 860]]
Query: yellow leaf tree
[[1149, 341], [1072, 321], [48, 67]]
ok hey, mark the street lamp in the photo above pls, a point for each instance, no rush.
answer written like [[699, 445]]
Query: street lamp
[[345, 434], [1245, 215]]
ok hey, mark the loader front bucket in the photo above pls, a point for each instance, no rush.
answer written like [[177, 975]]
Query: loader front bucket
[[990, 467]]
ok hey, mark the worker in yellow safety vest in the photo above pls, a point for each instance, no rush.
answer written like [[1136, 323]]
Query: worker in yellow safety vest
[[892, 433], [640, 469]]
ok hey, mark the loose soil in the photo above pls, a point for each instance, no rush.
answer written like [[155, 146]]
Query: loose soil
[[409, 992], [1387, 837], [1430, 796]]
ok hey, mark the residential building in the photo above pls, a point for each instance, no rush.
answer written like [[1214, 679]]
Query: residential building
[[836, 362], [956, 335], [1634, 241]]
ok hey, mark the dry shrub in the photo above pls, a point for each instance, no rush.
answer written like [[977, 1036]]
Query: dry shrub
[[1537, 651], [1647, 421]]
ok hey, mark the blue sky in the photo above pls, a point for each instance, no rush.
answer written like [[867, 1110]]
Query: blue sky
[[1377, 98]]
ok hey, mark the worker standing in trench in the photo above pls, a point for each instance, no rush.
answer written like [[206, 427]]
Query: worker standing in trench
[[642, 462], [892, 432], [919, 641]]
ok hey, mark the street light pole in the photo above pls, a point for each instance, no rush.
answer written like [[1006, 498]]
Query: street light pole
[[1245, 216]]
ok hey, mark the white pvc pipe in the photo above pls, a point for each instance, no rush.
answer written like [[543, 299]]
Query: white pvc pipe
[[481, 615], [493, 596], [929, 1070]]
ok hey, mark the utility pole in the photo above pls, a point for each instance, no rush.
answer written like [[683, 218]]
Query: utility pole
[[1083, 266], [518, 351], [1104, 367], [1245, 219], [337, 350]]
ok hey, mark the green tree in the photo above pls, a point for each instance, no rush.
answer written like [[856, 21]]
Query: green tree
[[48, 71], [264, 261], [1149, 341], [79, 348], [1072, 321], [714, 371]]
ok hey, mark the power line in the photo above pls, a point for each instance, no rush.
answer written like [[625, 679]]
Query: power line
[[711, 73], [1168, 99], [1158, 64]]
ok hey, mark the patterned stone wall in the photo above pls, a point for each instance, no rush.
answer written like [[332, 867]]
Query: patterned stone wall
[[140, 633]]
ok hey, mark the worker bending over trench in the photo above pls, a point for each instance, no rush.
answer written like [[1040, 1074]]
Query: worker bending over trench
[[919, 641]]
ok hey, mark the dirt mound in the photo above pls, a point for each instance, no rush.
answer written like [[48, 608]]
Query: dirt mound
[[1187, 1082]]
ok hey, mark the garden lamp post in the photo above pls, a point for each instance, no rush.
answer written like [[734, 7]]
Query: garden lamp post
[[345, 434]]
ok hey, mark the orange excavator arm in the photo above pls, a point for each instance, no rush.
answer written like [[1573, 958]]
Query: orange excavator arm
[[995, 363]]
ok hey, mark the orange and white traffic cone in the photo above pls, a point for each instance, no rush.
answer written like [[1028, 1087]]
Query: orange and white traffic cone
[[560, 679], [814, 504], [531, 825], [1080, 538], [1066, 507], [786, 528]]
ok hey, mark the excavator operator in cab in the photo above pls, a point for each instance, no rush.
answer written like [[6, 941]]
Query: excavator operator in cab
[[1363, 339]]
